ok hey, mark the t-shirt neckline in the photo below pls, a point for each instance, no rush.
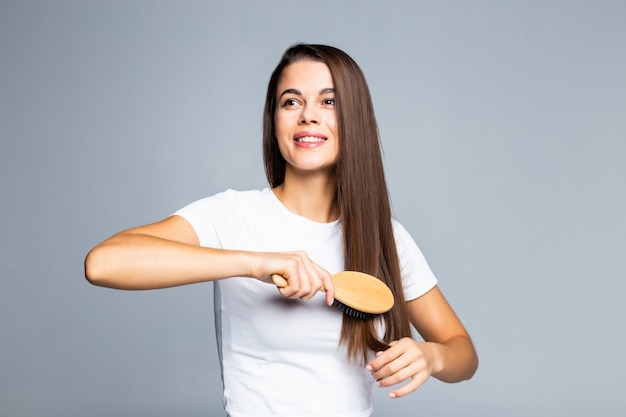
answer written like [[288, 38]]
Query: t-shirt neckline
[[304, 221]]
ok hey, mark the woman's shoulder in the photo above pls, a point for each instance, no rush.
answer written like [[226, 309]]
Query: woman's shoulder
[[399, 231], [236, 196], [228, 201], [244, 199], [405, 242], [253, 194]]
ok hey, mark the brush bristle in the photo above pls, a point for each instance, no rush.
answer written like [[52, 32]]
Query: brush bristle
[[352, 312]]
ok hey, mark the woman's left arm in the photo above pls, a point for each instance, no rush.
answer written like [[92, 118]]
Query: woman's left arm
[[447, 352]]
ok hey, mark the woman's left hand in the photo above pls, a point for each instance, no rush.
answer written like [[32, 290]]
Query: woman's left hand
[[405, 359]]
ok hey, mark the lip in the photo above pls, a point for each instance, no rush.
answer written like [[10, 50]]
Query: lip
[[309, 145], [309, 134]]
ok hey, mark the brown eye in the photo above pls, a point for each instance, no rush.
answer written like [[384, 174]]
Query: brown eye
[[290, 102]]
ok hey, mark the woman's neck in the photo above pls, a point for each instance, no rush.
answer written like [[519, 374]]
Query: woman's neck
[[313, 197]]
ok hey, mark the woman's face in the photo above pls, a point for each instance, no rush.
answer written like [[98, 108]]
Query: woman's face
[[305, 118]]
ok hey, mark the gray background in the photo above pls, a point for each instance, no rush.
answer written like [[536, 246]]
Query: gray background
[[504, 133]]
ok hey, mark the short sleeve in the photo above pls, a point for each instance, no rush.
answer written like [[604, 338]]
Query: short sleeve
[[200, 215], [417, 277]]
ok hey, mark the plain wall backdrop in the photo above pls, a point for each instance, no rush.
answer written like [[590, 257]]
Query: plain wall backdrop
[[503, 126]]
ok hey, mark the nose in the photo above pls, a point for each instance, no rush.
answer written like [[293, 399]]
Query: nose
[[309, 116]]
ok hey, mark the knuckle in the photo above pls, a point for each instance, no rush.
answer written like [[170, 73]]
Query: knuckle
[[292, 262], [404, 374]]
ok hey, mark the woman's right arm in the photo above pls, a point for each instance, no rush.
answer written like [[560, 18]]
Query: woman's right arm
[[160, 255], [168, 254]]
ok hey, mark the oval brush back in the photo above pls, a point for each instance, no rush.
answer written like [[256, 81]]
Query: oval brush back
[[362, 292]]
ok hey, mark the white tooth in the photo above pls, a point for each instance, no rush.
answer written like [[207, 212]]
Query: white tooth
[[309, 139]]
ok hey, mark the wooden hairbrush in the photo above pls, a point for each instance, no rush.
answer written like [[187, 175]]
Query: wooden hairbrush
[[357, 294]]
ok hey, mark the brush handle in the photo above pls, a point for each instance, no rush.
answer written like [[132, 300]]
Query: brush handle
[[281, 282]]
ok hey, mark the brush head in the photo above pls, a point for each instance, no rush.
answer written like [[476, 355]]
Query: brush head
[[362, 292]]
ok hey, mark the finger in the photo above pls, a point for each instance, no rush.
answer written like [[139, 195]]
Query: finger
[[297, 276], [415, 382], [384, 357], [302, 278], [400, 363], [396, 349], [326, 283], [313, 279], [291, 287], [312, 282], [294, 287], [393, 373], [399, 375]]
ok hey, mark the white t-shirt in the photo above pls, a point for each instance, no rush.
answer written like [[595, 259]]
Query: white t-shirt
[[281, 357]]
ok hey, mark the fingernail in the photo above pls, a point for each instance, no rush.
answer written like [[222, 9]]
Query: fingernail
[[392, 395], [368, 368], [379, 353]]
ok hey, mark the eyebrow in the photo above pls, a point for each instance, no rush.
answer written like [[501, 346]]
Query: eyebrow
[[299, 93]]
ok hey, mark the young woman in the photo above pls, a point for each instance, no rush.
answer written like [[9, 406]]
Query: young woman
[[285, 352]]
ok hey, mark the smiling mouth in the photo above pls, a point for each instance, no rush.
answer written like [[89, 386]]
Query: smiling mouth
[[310, 139]]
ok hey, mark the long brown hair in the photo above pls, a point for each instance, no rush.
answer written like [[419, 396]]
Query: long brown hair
[[362, 196]]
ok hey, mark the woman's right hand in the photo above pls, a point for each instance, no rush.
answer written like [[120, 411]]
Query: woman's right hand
[[304, 277]]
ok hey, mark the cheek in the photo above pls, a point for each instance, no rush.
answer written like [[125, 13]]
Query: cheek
[[333, 128], [280, 133], [331, 122], [280, 124]]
